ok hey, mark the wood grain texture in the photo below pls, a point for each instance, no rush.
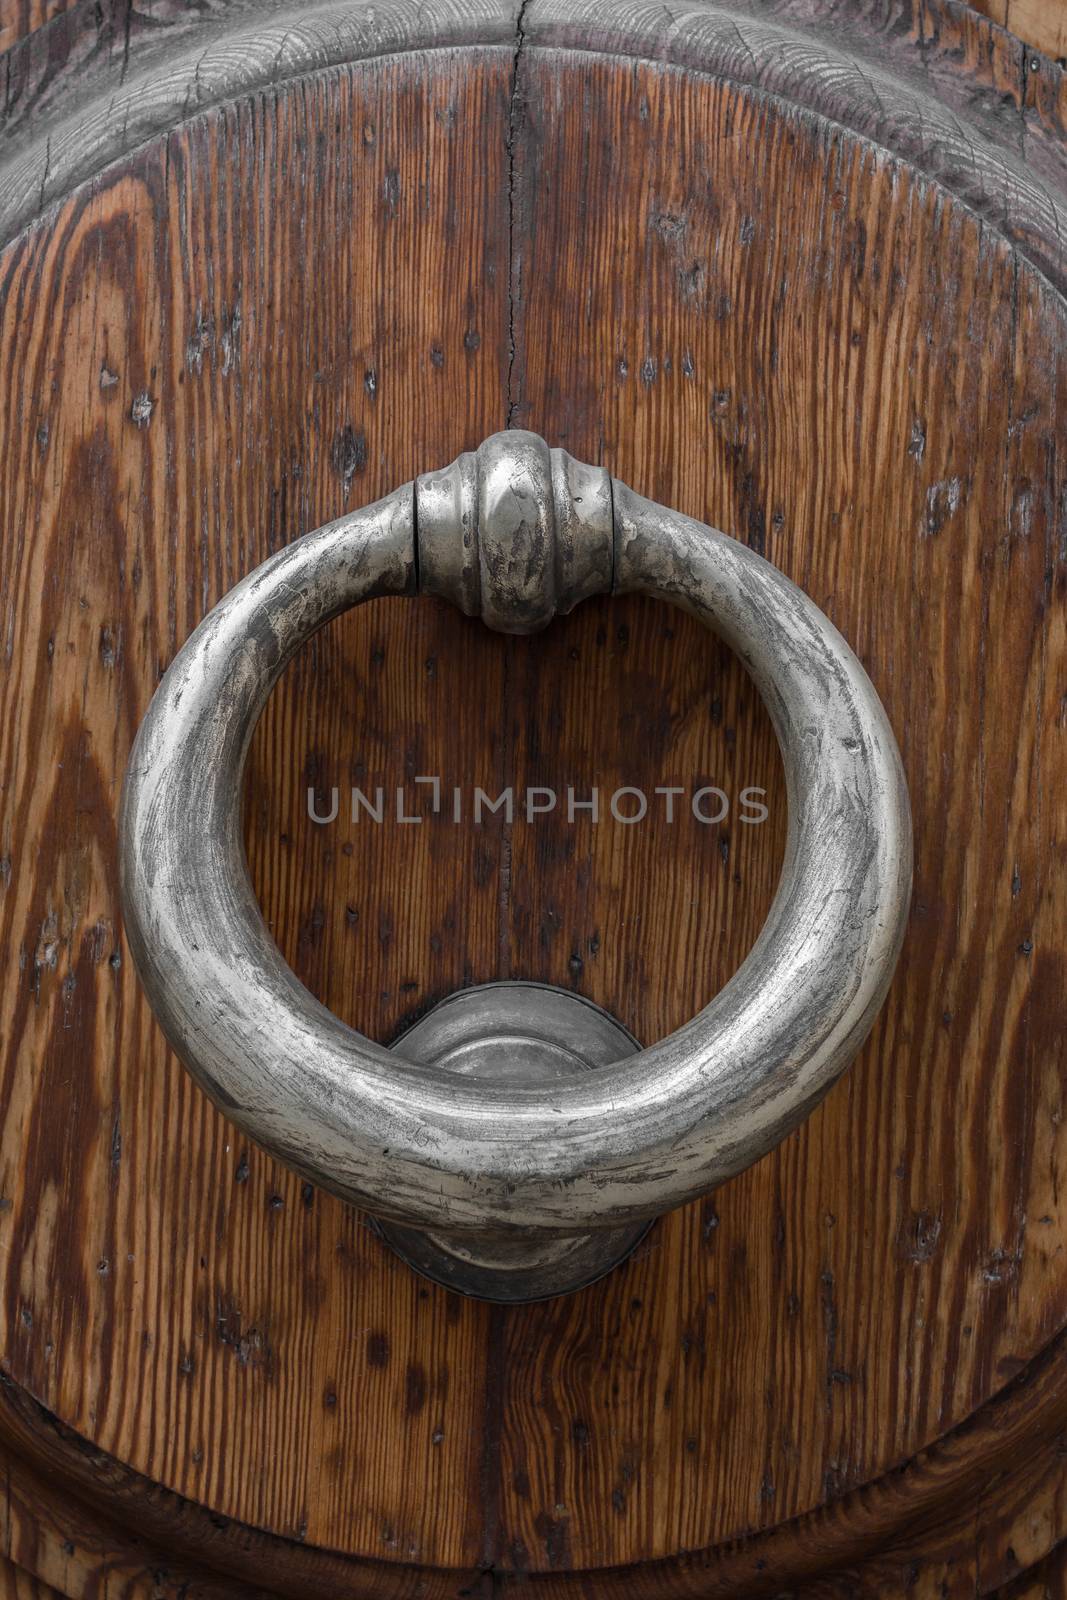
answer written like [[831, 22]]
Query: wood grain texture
[[791, 326], [294, 302], [82, 95], [20, 18], [1040, 23], [230, 1353], [17, 1584], [987, 1496], [1047, 1581], [88, 1525]]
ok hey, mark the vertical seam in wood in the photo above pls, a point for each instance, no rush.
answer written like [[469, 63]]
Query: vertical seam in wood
[[493, 1428], [127, 18], [515, 120], [492, 1438]]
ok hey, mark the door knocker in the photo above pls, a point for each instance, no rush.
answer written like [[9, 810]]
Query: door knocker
[[516, 1142]]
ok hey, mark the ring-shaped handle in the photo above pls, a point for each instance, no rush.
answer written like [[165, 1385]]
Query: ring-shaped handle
[[517, 533]]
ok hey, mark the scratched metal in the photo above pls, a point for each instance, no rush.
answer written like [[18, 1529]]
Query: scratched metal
[[526, 1033], [427, 1148]]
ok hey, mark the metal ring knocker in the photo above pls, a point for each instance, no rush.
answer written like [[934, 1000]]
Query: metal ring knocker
[[516, 1142]]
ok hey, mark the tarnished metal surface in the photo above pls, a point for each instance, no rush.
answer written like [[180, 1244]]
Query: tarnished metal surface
[[439, 1151], [515, 533], [524, 1033]]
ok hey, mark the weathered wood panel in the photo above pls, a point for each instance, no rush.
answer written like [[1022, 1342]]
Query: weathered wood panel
[[1048, 1581], [1041, 23], [770, 341], [290, 304], [18, 18], [187, 1311], [17, 1584]]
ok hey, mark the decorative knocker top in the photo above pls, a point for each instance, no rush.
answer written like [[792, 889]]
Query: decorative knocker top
[[514, 533], [538, 1131]]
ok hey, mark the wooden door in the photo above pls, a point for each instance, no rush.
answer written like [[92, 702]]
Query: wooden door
[[794, 268]]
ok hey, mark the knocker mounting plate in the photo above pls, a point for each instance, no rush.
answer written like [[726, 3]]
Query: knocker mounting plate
[[532, 1035]]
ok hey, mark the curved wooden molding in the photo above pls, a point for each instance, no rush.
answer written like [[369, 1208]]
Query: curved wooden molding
[[998, 1455], [81, 95]]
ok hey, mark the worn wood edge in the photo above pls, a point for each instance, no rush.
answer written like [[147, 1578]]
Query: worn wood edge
[[80, 94], [18, 1583], [1037, 28], [965, 1465], [88, 1499], [860, 95], [1052, 1568]]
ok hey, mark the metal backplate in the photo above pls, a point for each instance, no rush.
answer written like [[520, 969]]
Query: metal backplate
[[527, 1033]]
